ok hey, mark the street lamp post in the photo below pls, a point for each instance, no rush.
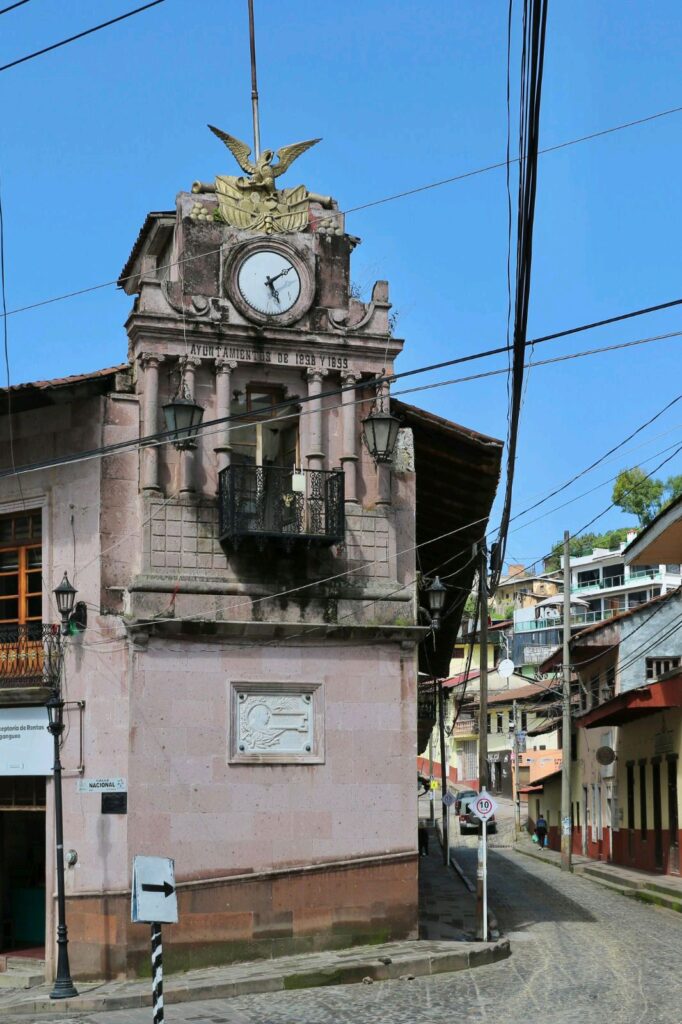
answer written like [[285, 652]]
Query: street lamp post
[[64, 988], [435, 596]]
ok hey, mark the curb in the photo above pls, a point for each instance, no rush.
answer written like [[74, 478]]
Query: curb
[[493, 926], [406, 964]]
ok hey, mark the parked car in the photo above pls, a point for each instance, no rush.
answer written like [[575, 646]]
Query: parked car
[[468, 822], [463, 794]]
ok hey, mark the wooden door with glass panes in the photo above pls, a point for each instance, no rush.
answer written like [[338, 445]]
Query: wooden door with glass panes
[[21, 597], [270, 435]]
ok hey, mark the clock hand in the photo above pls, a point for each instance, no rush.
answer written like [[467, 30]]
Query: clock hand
[[275, 293], [281, 274]]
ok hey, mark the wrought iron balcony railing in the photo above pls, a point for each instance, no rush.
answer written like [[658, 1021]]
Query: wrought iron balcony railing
[[29, 655], [278, 504]]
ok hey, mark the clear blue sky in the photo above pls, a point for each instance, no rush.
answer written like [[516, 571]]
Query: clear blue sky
[[99, 132]]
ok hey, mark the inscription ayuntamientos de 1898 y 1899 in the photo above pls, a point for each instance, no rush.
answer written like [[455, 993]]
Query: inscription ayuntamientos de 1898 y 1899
[[275, 357]]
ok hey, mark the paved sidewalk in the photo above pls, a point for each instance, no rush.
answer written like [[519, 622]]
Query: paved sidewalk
[[651, 887], [447, 924]]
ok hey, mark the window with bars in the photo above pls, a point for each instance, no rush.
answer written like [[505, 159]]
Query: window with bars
[[21, 562], [656, 667]]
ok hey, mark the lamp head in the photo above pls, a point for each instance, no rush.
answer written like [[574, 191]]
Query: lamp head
[[183, 418], [65, 596], [381, 432]]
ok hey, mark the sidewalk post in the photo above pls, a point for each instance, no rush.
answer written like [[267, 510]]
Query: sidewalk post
[[484, 922]]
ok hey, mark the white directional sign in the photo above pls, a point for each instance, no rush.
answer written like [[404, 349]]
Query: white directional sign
[[154, 896], [483, 806]]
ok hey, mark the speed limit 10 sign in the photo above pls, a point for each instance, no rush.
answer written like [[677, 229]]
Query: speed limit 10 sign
[[483, 806]]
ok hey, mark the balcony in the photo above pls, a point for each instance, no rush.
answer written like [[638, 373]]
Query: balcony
[[29, 657], [465, 727], [274, 504], [611, 582], [578, 620]]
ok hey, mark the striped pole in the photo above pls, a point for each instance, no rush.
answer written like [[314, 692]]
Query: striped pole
[[157, 974]]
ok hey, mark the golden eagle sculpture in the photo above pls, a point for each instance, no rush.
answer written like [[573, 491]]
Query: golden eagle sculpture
[[254, 202]]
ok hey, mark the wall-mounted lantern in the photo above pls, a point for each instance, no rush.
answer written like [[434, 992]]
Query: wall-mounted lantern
[[435, 597], [381, 431], [183, 419]]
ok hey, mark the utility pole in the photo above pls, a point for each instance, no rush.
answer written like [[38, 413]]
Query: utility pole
[[432, 816], [482, 722], [515, 791], [483, 678], [443, 772], [566, 837]]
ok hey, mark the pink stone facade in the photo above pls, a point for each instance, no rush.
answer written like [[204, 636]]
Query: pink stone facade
[[269, 857]]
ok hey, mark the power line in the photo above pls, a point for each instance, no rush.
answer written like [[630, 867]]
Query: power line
[[166, 436], [503, 163], [79, 35], [602, 458], [19, 3], [532, 65]]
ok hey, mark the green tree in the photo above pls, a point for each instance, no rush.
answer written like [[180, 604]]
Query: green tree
[[644, 496], [638, 494], [584, 544]]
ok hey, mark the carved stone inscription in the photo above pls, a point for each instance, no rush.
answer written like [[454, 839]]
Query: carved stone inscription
[[276, 722], [276, 357]]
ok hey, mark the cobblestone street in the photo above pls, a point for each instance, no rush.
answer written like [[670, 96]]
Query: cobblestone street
[[580, 953]]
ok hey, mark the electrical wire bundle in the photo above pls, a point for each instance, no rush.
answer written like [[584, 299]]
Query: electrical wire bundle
[[532, 62]]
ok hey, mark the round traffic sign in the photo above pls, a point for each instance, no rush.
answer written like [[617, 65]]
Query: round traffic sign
[[484, 806]]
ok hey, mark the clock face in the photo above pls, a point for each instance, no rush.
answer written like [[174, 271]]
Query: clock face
[[269, 282]]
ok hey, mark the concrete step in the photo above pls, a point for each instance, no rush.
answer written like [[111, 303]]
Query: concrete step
[[28, 962], [660, 899], [21, 977], [610, 877], [674, 891], [614, 886]]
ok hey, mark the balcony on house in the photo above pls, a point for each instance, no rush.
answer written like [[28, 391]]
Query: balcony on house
[[277, 504], [465, 727], [29, 658]]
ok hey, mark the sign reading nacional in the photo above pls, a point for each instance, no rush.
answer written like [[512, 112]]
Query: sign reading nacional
[[26, 746], [101, 786], [273, 356]]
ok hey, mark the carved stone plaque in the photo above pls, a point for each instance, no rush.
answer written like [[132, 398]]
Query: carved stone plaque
[[276, 722]]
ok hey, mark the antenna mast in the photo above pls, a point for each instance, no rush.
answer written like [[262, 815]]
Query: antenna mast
[[254, 83]]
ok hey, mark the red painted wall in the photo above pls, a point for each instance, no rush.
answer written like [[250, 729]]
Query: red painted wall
[[630, 850]]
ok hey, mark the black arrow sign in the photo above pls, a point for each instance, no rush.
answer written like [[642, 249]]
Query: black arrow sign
[[166, 888]]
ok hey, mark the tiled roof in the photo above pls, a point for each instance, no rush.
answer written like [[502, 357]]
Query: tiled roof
[[60, 382], [521, 693]]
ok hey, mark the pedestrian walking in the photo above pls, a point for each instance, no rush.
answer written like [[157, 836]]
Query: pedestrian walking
[[541, 830]]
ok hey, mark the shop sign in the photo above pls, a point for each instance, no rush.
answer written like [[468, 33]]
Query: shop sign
[[26, 746]]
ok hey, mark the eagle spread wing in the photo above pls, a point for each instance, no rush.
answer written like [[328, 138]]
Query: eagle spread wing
[[287, 155], [240, 150]]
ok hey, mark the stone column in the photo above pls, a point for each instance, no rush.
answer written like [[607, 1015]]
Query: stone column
[[223, 375], [188, 365], [349, 459], [313, 411], [150, 362], [384, 468]]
